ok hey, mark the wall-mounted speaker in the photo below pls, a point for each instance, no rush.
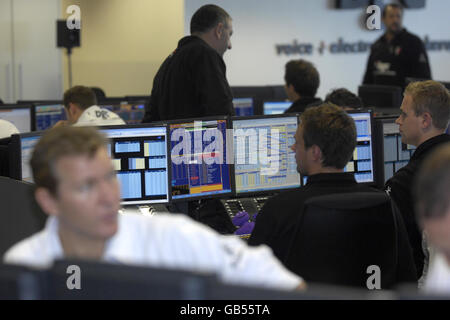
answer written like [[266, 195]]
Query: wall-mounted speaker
[[66, 38]]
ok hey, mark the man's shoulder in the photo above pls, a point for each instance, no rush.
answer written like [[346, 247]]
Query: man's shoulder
[[30, 251]]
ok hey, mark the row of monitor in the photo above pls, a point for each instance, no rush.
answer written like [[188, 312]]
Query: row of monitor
[[194, 159], [41, 116]]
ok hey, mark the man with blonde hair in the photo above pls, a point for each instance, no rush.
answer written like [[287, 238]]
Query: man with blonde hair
[[424, 117]]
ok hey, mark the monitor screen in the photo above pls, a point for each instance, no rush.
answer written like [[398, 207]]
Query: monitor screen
[[276, 107], [264, 161], [131, 113], [199, 159], [20, 116], [47, 115], [139, 155], [243, 106], [362, 162], [396, 153], [20, 151]]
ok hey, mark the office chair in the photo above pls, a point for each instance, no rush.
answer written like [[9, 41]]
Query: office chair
[[20, 215], [339, 236]]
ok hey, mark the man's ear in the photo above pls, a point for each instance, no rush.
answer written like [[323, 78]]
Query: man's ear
[[427, 120], [218, 30], [46, 201], [316, 153]]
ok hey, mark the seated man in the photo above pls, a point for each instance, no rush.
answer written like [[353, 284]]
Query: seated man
[[302, 81], [424, 117], [432, 194], [82, 110], [77, 187], [345, 99], [324, 144]]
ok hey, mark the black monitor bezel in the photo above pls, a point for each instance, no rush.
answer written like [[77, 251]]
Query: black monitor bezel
[[262, 192], [169, 172], [15, 153], [231, 166], [22, 106]]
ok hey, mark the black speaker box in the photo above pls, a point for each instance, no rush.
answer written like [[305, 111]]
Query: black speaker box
[[66, 38]]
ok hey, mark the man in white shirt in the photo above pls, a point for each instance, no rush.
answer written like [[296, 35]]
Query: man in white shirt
[[77, 187], [82, 110], [432, 192]]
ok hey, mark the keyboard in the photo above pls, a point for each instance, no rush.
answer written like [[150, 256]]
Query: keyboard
[[251, 205]]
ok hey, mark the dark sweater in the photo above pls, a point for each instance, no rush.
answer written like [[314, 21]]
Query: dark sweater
[[190, 83]]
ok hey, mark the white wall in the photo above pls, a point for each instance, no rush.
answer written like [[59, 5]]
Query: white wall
[[261, 24]]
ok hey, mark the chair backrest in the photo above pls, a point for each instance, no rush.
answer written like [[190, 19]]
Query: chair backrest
[[339, 236], [20, 216]]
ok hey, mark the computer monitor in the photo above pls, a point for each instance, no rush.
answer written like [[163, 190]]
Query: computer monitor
[[362, 163], [19, 115], [275, 107], [47, 115], [200, 162], [379, 96], [394, 154], [263, 159], [243, 106], [21, 149], [131, 112], [139, 155], [140, 158]]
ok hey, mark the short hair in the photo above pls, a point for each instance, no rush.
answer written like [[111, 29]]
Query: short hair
[[207, 17], [332, 130], [344, 98], [58, 143], [432, 185], [392, 5], [433, 97], [303, 76], [83, 96]]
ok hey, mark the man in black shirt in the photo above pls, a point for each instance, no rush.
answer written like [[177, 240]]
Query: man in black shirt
[[324, 143], [302, 81], [425, 114], [397, 54], [192, 82]]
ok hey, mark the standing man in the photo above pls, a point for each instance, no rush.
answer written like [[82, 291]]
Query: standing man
[[192, 80], [397, 54], [424, 117]]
